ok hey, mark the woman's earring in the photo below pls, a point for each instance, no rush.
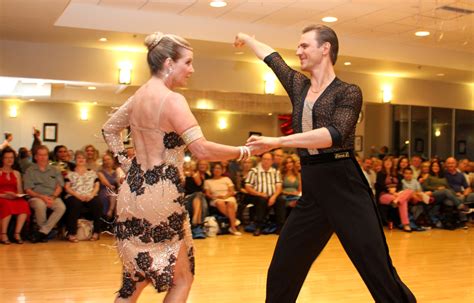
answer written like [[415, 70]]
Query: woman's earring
[[168, 73]]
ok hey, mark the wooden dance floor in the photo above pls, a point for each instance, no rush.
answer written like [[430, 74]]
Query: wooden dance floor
[[438, 266]]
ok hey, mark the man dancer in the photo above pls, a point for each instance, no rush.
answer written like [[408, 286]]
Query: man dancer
[[336, 196]]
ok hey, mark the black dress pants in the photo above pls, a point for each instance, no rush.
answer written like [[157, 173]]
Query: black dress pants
[[336, 198], [262, 209], [75, 208]]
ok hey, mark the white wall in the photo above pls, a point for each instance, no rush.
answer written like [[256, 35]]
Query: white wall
[[75, 133]]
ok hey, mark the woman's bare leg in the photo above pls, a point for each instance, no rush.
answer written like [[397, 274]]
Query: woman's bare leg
[[183, 278]]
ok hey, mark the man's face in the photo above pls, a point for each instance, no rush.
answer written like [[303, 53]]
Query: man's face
[[62, 154], [41, 157], [278, 156], [367, 164], [416, 161], [450, 164], [267, 161], [407, 174], [308, 51]]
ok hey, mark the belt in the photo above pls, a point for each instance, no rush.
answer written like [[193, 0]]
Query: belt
[[327, 157]]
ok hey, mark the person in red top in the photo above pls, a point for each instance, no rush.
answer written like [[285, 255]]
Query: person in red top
[[10, 201]]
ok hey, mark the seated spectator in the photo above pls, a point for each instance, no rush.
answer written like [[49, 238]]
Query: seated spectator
[[264, 186], [369, 174], [278, 156], [220, 190], [437, 186], [409, 182], [194, 200], [24, 159], [388, 191], [415, 166], [11, 202], [61, 160], [92, 154], [82, 187], [109, 185], [43, 183], [7, 141], [36, 141], [376, 165], [297, 162], [401, 165], [242, 194], [457, 181], [291, 182], [424, 172], [463, 168]]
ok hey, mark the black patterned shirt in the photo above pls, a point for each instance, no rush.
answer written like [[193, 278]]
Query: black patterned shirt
[[336, 109]]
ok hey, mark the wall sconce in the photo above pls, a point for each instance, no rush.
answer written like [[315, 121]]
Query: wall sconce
[[84, 114], [437, 132], [125, 73], [387, 94], [222, 124], [269, 84], [13, 112]]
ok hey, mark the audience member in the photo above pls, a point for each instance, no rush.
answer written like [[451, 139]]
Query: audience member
[[220, 190], [291, 182], [263, 184], [24, 159], [6, 142], [388, 191], [11, 202], [369, 174], [91, 156], [416, 166], [278, 156], [109, 184], [457, 181], [61, 160], [43, 183], [82, 187]]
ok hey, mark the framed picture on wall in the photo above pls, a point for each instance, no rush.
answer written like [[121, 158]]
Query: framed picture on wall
[[50, 132], [419, 145], [358, 144], [461, 147]]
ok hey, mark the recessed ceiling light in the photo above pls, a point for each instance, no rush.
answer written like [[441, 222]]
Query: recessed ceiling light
[[91, 87], [347, 63], [218, 3], [440, 75], [103, 39], [239, 53], [95, 102], [31, 99], [270, 114], [329, 19], [422, 33]]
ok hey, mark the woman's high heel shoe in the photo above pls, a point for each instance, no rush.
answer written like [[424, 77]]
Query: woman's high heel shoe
[[17, 238], [5, 240]]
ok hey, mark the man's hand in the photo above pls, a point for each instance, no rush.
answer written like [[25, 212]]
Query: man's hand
[[261, 144]]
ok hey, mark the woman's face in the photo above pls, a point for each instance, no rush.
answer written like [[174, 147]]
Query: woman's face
[[425, 168], [62, 154], [107, 161], [435, 168], [247, 164], [403, 163], [90, 152], [290, 164], [10, 138], [80, 160], [387, 163], [182, 68], [217, 171], [8, 159]]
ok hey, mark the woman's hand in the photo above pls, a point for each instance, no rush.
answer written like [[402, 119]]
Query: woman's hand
[[261, 144]]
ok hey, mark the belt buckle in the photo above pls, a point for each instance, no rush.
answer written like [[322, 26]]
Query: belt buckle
[[341, 155]]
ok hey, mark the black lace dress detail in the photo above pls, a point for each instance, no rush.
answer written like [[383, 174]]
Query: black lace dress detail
[[337, 108], [172, 140], [147, 233], [137, 177], [129, 284]]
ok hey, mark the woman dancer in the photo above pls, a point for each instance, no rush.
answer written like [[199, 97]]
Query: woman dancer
[[153, 232]]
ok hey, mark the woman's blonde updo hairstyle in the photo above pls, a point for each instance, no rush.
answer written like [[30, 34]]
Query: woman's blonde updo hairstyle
[[162, 46]]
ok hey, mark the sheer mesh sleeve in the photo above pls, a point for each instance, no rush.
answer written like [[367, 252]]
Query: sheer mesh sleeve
[[292, 81], [112, 131], [345, 117]]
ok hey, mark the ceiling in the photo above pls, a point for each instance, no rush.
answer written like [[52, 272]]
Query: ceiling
[[376, 36]]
